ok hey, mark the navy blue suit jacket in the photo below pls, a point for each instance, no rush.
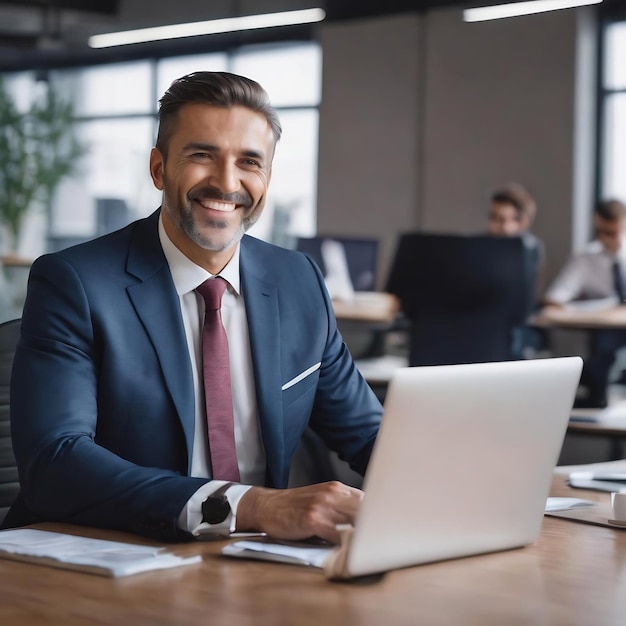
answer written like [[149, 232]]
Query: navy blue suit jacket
[[102, 400]]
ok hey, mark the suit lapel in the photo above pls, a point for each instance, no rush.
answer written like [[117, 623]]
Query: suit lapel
[[157, 305], [261, 298]]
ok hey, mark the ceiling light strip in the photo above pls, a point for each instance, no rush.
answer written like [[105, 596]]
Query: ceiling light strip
[[210, 27], [495, 12]]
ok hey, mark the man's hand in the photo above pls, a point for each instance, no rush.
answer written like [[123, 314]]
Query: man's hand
[[299, 513]]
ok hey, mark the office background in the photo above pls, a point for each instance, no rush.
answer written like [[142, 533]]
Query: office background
[[422, 114]]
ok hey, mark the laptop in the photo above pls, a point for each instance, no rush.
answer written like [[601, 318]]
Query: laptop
[[462, 465]]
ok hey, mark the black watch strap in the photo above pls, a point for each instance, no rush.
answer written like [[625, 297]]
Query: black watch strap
[[216, 508]]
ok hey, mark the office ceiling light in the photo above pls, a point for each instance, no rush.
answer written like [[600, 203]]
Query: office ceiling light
[[496, 12], [210, 27]]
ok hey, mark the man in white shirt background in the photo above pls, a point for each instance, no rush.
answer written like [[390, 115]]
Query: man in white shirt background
[[596, 273]]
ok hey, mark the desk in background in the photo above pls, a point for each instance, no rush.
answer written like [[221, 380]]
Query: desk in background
[[575, 319], [366, 320], [572, 575], [586, 423], [586, 320], [369, 307]]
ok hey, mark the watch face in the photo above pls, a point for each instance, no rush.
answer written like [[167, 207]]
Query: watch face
[[215, 509]]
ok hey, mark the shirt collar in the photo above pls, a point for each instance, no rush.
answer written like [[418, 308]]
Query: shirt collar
[[186, 274]]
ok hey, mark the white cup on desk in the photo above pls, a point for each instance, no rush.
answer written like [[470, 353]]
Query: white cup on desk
[[618, 503]]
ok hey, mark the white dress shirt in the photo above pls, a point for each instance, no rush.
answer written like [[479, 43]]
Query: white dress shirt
[[588, 275], [250, 452]]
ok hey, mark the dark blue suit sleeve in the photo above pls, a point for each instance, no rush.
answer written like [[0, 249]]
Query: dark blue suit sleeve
[[64, 473]]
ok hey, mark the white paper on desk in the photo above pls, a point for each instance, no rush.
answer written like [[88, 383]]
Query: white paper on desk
[[337, 278], [98, 556], [297, 554], [565, 504], [612, 415]]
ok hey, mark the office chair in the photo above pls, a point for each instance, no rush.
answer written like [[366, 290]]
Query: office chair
[[314, 463], [462, 296], [9, 482]]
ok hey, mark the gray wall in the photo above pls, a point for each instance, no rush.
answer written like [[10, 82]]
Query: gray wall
[[369, 141], [423, 116]]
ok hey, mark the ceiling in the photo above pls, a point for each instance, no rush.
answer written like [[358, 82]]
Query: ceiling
[[43, 33]]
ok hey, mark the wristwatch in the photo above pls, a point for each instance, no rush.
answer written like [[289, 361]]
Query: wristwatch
[[216, 508]]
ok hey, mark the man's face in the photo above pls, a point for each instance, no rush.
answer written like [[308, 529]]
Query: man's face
[[505, 221], [610, 233], [214, 179]]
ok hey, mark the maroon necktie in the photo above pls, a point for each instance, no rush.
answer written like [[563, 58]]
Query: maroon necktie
[[217, 390]]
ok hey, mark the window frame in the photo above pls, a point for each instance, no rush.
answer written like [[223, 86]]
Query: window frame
[[609, 14]]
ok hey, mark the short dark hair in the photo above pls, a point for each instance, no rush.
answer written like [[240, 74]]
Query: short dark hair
[[610, 210], [518, 197], [220, 89]]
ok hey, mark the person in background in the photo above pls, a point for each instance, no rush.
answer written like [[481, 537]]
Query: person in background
[[512, 211], [596, 274], [114, 376]]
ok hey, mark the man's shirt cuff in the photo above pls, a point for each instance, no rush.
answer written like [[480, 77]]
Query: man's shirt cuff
[[190, 518]]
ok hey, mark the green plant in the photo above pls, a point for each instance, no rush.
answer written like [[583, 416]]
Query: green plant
[[37, 150]]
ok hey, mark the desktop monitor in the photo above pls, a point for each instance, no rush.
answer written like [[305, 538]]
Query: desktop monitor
[[462, 294], [112, 214], [361, 256]]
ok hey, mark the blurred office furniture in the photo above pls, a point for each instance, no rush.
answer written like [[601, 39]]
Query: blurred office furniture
[[13, 280], [461, 295], [111, 214], [376, 307], [6, 300], [605, 315], [570, 329], [314, 463], [9, 482], [349, 268], [608, 426], [361, 255], [382, 348]]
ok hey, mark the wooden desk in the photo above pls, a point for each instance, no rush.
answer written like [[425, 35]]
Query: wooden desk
[[580, 319], [365, 320], [612, 430], [573, 575], [374, 307], [11, 260]]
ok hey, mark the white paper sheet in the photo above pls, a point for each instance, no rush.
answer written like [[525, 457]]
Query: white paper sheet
[[565, 504], [97, 556], [282, 552]]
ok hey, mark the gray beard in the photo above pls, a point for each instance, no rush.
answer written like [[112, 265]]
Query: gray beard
[[188, 225]]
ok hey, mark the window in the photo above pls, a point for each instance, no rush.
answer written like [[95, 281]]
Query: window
[[291, 74], [117, 107], [613, 133]]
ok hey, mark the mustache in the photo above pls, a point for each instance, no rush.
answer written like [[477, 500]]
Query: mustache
[[211, 193]]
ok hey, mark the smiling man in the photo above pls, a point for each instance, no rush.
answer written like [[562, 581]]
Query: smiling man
[[141, 403]]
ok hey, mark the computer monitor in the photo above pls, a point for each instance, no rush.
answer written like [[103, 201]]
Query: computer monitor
[[361, 256], [112, 214]]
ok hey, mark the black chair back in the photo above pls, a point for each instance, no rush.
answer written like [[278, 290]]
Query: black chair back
[[9, 483], [462, 295]]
